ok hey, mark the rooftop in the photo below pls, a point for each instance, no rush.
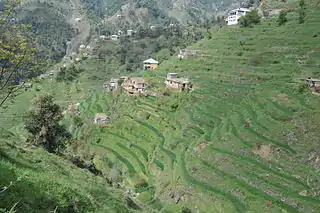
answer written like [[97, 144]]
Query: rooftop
[[180, 80], [240, 9], [101, 115], [136, 80], [151, 61]]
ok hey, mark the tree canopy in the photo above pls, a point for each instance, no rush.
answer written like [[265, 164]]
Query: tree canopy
[[42, 123]]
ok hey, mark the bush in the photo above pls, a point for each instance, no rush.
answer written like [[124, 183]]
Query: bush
[[252, 18], [282, 19]]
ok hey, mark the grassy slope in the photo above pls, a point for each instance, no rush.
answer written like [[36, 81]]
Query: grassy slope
[[225, 176]]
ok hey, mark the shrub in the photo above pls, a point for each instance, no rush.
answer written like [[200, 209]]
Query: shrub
[[252, 18], [282, 19]]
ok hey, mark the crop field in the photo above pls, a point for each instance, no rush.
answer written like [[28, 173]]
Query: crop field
[[223, 147], [238, 143]]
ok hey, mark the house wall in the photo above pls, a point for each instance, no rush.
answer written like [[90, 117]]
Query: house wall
[[172, 84], [234, 17], [152, 66]]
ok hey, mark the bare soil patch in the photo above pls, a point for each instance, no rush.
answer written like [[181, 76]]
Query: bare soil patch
[[202, 145], [264, 151], [283, 97]]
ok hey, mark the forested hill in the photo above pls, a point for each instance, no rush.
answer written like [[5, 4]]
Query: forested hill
[[55, 22]]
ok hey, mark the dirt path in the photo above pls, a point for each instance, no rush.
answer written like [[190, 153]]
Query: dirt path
[[83, 26]]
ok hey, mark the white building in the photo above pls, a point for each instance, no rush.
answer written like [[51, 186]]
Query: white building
[[114, 37], [234, 15], [129, 32]]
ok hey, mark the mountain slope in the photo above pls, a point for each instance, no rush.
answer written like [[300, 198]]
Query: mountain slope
[[55, 22]]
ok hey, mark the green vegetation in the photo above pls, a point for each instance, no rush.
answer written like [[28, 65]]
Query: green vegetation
[[18, 55], [282, 19], [245, 140], [43, 125], [302, 11], [251, 19]]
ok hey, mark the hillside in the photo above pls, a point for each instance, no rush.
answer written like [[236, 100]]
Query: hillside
[[57, 23], [245, 140]]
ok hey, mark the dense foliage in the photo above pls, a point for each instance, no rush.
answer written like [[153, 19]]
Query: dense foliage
[[250, 19], [42, 123], [50, 28]]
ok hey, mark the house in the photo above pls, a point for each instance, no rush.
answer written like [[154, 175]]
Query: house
[[74, 108], [111, 85], [120, 32], [134, 85], [234, 15], [174, 82], [77, 19], [26, 85], [314, 84], [129, 32], [150, 64], [103, 37], [101, 119], [187, 53], [152, 27], [114, 37]]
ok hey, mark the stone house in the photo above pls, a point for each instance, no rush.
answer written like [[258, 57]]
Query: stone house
[[134, 85], [314, 84], [187, 53], [74, 108], [111, 85], [101, 119], [174, 82]]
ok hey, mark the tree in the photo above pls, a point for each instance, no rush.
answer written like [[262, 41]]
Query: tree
[[185, 210], [208, 35], [250, 19], [163, 55], [250, 3], [42, 123], [282, 19], [302, 11], [18, 57]]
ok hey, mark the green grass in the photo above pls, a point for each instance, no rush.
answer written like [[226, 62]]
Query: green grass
[[151, 142]]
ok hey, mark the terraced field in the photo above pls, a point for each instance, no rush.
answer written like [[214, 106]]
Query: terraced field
[[223, 147]]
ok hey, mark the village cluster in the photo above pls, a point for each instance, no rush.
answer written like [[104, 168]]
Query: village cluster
[[136, 86]]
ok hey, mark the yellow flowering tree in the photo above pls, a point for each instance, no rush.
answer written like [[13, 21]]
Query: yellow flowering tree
[[18, 56]]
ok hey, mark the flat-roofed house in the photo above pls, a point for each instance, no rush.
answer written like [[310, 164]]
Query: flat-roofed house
[[174, 82], [235, 15]]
